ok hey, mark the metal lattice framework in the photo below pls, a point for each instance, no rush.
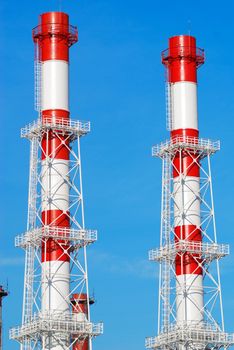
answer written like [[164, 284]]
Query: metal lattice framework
[[208, 334], [37, 325]]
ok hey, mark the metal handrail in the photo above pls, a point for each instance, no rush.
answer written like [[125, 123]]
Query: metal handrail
[[57, 322], [204, 332], [194, 143], [60, 29], [60, 124], [201, 248], [192, 53], [57, 233]]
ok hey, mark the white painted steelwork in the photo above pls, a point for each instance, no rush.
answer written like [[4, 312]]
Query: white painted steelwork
[[56, 239], [44, 324], [186, 201], [189, 298], [200, 145], [72, 128], [37, 80], [202, 337], [190, 310], [34, 237], [204, 304], [54, 187], [55, 283], [205, 251], [35, 330]]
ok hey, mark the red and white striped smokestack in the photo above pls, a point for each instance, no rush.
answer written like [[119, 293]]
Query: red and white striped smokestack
[[182, 60], [53, 38], [80, 313]]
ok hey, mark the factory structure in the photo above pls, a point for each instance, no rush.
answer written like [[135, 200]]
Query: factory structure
[[56, 299], [190, 308]]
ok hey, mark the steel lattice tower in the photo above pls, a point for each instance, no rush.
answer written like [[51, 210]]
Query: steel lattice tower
[[56, 301], [190, 310]]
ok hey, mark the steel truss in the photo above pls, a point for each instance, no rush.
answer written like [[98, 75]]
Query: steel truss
[[210, 333], [38, 326]]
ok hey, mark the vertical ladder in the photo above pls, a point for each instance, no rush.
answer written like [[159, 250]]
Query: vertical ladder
[[168, 96], [32, 191], [37, 80], [165, 240], [30, 250]]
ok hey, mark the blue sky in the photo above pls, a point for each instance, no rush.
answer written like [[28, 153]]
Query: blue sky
[[117, 82]]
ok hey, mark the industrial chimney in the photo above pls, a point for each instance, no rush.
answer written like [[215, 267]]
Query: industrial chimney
[[56, 239], [190, 309]]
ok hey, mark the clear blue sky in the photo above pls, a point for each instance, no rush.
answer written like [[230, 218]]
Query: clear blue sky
[[117, 82]]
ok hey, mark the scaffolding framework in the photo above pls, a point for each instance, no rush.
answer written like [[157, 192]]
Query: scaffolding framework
[[208, 334], [37, 325]]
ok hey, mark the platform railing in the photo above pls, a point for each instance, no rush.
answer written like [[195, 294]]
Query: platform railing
[[58, 323], [58, 124], [204, 333], [191, 143], [204, 249], [34, 237]]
